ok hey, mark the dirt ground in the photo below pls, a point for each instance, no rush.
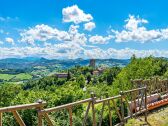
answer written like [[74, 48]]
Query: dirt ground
[[157, 117]]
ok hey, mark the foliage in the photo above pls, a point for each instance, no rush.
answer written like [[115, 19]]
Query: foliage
[[78, 85]]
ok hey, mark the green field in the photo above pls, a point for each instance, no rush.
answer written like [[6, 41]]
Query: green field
[[23, 76], [17, 77], [6, 77]]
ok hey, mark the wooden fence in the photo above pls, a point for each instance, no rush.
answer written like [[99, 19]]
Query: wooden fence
[[14, 109], [135, 100], [153, 85]]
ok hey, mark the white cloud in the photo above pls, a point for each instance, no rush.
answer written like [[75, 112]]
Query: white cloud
[[75, 15], [134, 31], [133, 23], [72, 51], [100, 39], [76, 37], [89, 26], [47, 44], [9, 40], [56, 51], [43, 33], [123, 53], [73, 44]]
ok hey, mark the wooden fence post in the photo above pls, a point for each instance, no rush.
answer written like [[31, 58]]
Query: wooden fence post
[[70, 115], [18, 118], [0, 119], [122, 107], [93, 109], [86, 114], [110, 116], [40, 117], [146, 104]]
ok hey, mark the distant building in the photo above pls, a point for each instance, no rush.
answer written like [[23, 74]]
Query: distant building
[[92, 63], [98, 71], [101, 70], [61, 75], [95, 72]]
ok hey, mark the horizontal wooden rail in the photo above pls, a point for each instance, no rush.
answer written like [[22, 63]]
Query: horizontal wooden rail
[[107, 99], [133, 90], [14, 109], [66, 106], [22, 107]]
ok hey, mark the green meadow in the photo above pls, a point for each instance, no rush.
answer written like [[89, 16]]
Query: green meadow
[[16, 77]]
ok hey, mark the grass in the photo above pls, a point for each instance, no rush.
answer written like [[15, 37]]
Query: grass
[[6, 77], [157, 117], [10, 77], [23, 76]]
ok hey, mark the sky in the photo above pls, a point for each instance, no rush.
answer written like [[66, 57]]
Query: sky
[[70, 29]]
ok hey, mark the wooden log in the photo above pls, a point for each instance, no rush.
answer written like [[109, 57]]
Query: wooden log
[[22, 107], [118, 113], [110, 117], [18, 118], [145, 105], [66, 106], [133, 90], [70, 115], [93, 109], [101, 114], [0, 119], [40, 120], [106, 99], [86, 114], [122, 107], [48, 119]]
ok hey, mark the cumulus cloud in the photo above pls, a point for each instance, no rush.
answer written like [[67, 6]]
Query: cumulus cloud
[[45, 33], [75, 15], [135, 31], [123, 53], [42, 33], [100, 39], [89, 26], [76, 37], [72, 43], [133, 23], [56, 51], [9, 40], [72, 51]]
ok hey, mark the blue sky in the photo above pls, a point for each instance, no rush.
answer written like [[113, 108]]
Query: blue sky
[[83, 29]]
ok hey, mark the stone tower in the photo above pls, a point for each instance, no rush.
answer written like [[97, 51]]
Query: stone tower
[[92, 63]]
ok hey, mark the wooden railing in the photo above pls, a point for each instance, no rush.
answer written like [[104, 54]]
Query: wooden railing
[[14, 109], [153, 85], [135, 100], [139, 106]]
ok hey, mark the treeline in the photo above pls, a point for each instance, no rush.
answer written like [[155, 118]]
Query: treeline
[[78, 85]]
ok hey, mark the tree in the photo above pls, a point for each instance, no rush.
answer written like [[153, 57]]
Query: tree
[[81, 81], [69, 75], [88, 77]]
